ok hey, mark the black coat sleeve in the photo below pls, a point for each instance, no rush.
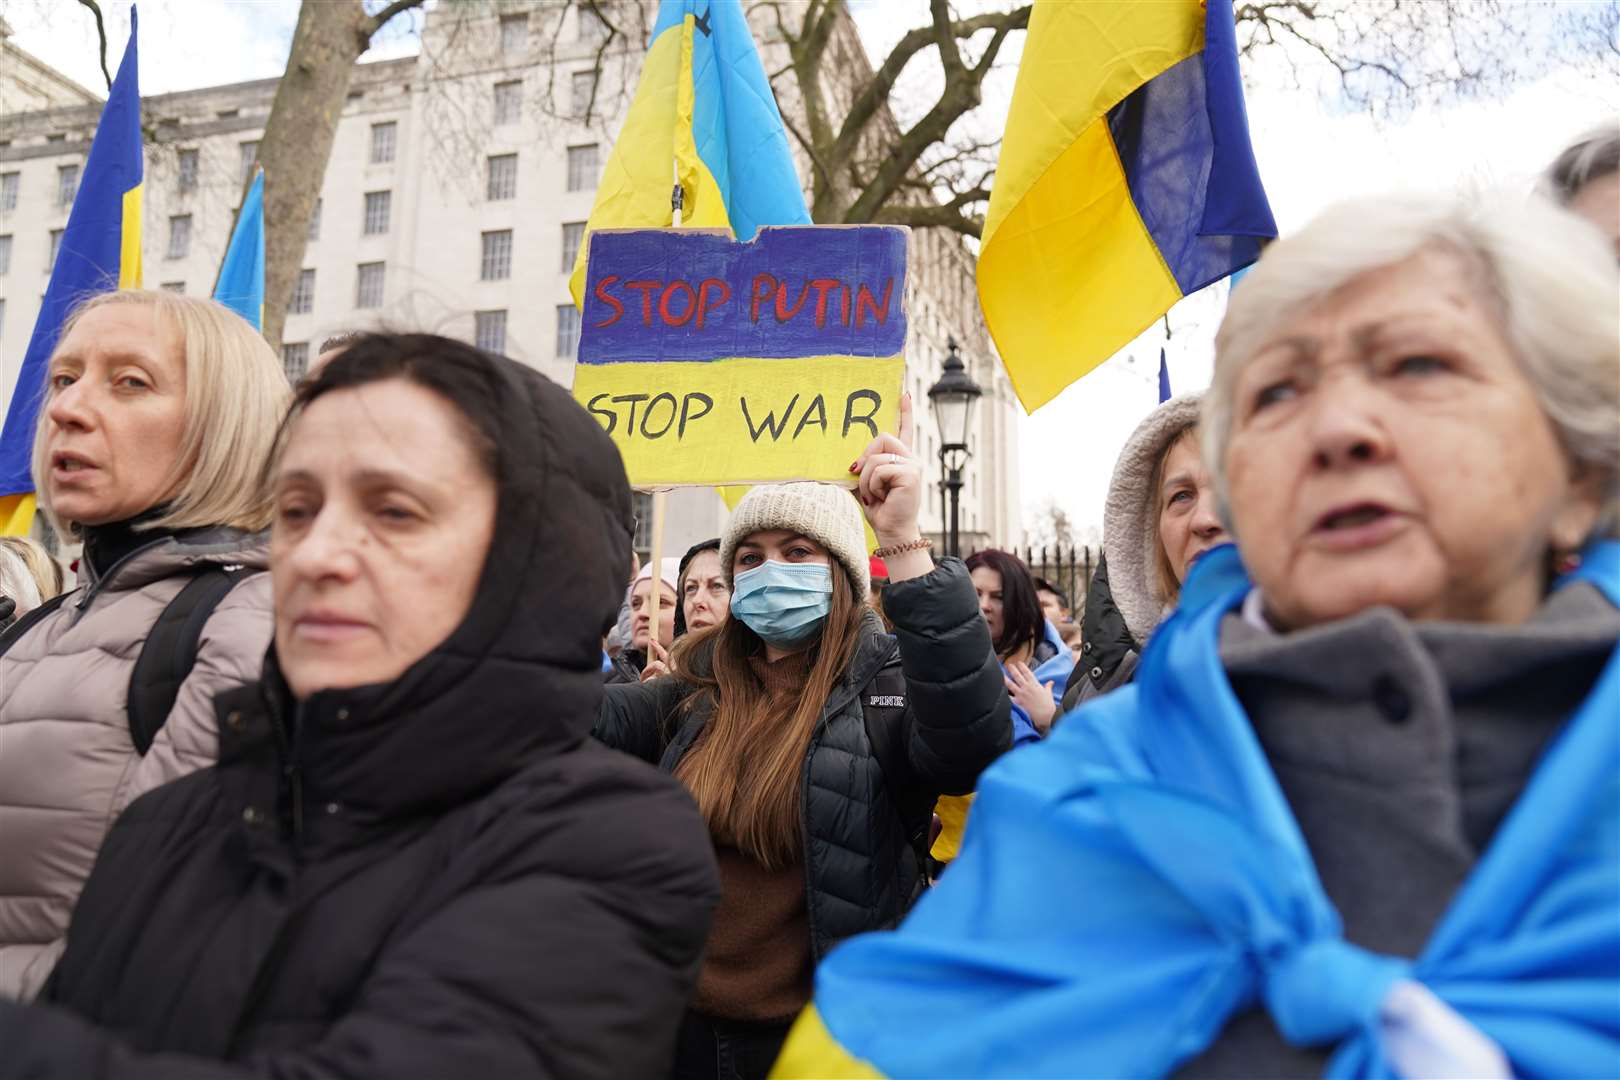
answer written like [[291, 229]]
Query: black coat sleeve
[[594, 986], [956, 698], [639, 718]]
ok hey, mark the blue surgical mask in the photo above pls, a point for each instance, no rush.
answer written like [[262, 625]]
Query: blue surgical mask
[[784, 603]]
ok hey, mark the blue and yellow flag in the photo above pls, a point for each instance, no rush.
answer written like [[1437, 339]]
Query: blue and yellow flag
[[99, 250], [241, 275], [1126, 182], [703, 111]]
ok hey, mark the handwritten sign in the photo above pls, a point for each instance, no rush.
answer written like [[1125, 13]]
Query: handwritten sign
[[714, 362]]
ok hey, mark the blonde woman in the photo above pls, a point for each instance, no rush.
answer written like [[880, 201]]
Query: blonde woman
[[159, 411], [28, 574]]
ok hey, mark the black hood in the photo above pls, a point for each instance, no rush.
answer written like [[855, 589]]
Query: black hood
[[522, 675]]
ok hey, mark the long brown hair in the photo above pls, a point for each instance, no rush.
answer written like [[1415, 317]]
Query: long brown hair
[[745, 768]]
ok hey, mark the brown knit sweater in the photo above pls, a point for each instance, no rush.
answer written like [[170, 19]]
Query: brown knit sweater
[[758, 965]]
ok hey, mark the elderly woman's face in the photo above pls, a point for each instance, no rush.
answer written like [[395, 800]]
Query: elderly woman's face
[[115, 415], [1189, 521], [383, 517], [1386, 449]]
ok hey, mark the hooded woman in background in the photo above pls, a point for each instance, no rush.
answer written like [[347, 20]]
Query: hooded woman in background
[[1160, 517]]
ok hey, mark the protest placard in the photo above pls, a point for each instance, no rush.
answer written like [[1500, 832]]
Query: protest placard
[[710, 361]]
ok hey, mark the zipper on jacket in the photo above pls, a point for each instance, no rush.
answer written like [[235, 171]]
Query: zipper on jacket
[[101, 579], [295, 780]]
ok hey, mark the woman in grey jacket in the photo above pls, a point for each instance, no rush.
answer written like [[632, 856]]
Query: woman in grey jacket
[[159, 412]]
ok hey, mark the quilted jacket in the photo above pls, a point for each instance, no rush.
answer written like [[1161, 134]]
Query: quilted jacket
[[68, 766], [916, 715]]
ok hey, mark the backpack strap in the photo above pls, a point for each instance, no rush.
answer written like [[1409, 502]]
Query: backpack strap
[[16, 630], [170, 651]]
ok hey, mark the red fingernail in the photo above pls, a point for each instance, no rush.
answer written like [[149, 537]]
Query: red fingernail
[[854, 465]]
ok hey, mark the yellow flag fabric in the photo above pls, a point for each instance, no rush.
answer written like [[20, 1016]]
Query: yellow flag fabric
[[16, 514], [811, 1050], [1126, 182], [704, 113]]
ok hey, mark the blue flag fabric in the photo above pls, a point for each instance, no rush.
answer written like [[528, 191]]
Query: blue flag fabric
[[100, 249], [1157, 805], [241, 276], [1164, 378]]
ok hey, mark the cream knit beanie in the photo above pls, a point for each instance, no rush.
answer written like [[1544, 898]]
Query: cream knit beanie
[[825, 513]]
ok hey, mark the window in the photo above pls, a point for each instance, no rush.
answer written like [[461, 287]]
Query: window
[[250, 158], [57, 138], [67, 184], [508, 101], [582, 85], [514, 32], [590, 27], [368, 288], [174, 287], [303, 294], [641, 510], [9, 184], [56, 246], [382, 142], [315, 222], [295, 360], [5, 254], [582, 167], [489, 331], [188, 171], [377, 206], [179, 237], [573, 236], [502, 177], [567, 331], [495, 263]]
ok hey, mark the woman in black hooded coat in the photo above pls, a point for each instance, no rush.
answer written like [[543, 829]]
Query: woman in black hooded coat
[[437, 875]]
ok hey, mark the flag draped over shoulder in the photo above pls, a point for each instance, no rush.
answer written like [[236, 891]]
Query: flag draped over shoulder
[[704, 111], [100, 250], [241, 275], [1126, 182]]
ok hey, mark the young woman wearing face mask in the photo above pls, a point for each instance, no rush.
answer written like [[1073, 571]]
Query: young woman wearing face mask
[[814, 743]]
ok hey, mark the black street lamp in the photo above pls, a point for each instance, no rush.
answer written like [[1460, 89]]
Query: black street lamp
[[953, 398]]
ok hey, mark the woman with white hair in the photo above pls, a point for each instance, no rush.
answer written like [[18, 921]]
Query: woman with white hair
[[158, 414], [1358, 811], [1586, 178]]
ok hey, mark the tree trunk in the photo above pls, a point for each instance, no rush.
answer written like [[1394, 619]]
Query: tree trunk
[[298, 137]]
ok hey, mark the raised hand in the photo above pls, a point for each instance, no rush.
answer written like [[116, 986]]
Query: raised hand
[[1031, 695]]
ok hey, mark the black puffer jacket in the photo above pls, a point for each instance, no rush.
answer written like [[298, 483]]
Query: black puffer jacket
[[1107, 657], [868, 792], [439, 877]]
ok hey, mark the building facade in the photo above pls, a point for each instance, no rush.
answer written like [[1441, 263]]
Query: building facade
[[453, 202]]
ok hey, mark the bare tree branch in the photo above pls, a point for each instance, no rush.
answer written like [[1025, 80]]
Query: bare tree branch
[[379, 20], [101, 38]]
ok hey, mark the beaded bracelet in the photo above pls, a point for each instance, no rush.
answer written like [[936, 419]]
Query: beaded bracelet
[[912, 545]]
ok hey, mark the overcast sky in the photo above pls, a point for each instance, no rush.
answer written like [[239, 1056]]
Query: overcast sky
[[1311, 154]]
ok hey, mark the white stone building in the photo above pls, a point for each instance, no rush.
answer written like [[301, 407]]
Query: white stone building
[[453, 202]]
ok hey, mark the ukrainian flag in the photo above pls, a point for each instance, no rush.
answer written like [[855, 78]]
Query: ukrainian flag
[[1126, 182], [241, 275], [100, 250], [704, 112]]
